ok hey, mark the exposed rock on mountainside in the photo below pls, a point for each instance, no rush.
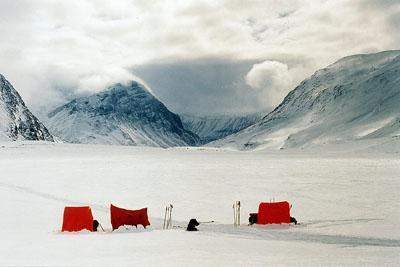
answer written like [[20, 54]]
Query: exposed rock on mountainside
[[16, 121]]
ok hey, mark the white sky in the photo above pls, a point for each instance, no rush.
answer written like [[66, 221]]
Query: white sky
[[52, 50]]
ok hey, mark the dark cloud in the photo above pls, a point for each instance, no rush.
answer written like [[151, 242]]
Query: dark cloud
[[202, 86], [382, 3]]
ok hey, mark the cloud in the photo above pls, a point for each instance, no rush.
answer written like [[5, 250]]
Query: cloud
[[268, 74], [272, 78], [58, 49]]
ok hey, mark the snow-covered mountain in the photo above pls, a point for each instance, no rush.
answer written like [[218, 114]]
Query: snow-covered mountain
[[210, 128], [355, 99], [16, 121], [122, 114]]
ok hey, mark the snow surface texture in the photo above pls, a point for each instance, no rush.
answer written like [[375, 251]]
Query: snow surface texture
[[210, 128], [124, 115], [355, 99], [16, 121], [348, 204]]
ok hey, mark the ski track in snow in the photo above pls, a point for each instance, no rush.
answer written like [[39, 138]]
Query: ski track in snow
[[284, 233], [66, 201]]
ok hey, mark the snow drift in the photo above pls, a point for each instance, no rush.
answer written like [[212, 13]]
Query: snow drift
[[355, 99]]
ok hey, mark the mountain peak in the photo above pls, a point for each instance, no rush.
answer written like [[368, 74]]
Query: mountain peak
[[121, 114], [16, 121]]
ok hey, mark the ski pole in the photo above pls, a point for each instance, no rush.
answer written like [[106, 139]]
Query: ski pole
[[234, 215], [170, 215], [239, 213], [165, 217]]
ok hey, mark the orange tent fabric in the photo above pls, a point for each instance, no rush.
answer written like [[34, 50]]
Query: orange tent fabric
[[277, 212], [77, 219], [121, 216]]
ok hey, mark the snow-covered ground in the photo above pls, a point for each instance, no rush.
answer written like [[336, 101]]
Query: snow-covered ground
[[348, 204]]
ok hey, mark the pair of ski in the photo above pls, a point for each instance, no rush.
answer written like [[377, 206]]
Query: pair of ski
[[236, 213], [168, 217]]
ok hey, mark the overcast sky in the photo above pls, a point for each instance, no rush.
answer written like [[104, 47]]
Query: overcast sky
[[256, 51]]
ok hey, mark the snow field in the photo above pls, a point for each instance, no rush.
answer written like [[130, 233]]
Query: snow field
[[348, 205]]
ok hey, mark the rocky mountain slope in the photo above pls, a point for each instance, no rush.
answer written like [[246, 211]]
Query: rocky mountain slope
[[355, 99], [123, 115], [210, 128], [16, 121]]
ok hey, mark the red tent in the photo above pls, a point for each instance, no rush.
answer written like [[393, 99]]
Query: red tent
[[121, 216], [276, 212], [77, 219]]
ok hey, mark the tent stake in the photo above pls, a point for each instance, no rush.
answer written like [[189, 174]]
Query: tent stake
[[101, 227]]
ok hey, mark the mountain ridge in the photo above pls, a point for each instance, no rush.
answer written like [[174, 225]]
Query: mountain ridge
[[214, 127], [349, 100]]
